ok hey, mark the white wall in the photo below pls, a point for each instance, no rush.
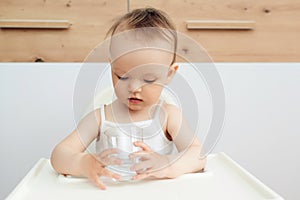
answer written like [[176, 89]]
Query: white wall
[[261, 131]]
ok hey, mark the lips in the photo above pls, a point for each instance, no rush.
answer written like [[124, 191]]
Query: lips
[[135, 100]]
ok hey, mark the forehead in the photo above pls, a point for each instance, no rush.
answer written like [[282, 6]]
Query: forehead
[[139, 41], [146, 60]]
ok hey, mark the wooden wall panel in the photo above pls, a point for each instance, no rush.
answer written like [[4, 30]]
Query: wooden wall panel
[[274, 39], [90, 20]]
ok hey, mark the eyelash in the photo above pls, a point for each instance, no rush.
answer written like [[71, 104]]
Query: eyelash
[[150, 81], [125, 78], [122, 78]]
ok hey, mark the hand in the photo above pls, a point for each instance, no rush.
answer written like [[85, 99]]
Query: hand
[[151, 164], [93, 166]]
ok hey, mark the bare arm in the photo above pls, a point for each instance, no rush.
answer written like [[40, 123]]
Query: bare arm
[[187, 143], [69, 156]]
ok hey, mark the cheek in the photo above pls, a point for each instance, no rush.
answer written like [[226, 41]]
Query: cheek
[[153, 91], [115, 80], [120, 89]]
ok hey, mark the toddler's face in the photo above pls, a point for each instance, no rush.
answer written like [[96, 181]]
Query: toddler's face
[[139, 77]]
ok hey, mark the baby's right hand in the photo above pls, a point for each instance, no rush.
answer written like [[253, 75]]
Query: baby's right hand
[[93, 166]]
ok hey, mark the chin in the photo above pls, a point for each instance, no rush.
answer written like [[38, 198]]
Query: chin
[[135, 108]]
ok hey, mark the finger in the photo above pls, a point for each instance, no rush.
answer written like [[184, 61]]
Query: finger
[[140, 155], [108, 157], [142, 159], [141, 176], [142, 145], [139, 152], [95, 179], [115, 161], [149, 171], [142, 166], [108, 152], [110, 174], [107, 173], [111, 161]]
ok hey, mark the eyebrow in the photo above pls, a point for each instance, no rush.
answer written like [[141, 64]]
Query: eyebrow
[[118, 71], [151, 74]]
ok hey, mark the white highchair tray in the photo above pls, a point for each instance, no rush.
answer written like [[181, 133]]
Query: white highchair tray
[[223, 179]]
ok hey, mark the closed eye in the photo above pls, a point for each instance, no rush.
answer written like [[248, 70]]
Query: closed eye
[[149, 81], [149, 78], [122, 77]]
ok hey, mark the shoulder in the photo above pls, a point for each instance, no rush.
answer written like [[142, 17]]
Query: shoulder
[[93, 117], [172, 110], [174, 118]]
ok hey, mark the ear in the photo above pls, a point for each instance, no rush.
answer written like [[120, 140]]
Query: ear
[[172, 70]]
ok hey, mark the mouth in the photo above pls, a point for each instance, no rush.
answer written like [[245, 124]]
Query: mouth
[[135, 100]]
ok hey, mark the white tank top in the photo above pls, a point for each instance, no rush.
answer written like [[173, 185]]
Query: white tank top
[[124, 134]]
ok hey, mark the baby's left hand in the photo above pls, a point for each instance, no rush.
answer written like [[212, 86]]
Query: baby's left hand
[[151, 164]]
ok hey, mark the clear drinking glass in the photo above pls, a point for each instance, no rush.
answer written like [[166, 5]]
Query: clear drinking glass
[[122, 138]]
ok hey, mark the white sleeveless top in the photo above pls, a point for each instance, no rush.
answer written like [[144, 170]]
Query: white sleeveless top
[[123, 135]]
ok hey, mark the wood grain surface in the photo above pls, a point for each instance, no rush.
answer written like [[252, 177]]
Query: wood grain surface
[[275, 37]]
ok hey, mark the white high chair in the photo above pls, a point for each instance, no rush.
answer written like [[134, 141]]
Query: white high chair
[[223, 179]]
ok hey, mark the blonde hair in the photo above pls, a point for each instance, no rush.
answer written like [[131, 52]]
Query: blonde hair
[[146, 18]]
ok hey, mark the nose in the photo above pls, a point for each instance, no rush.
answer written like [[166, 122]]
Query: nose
[[134, 86]]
